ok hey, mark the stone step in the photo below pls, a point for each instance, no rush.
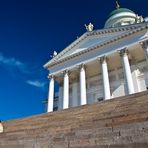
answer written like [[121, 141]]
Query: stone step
[[120, 122]]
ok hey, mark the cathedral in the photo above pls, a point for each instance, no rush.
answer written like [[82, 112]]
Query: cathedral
[[102, 64]]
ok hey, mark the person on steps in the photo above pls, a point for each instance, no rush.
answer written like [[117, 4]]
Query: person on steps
[[1, 127]]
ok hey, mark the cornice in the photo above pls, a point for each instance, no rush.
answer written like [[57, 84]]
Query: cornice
[[134, 29]]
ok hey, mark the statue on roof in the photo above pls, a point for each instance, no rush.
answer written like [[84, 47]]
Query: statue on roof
[[139, 19], [117, 4], [54, 54], [89, 27]]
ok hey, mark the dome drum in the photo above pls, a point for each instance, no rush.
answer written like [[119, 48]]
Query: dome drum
[[121, 17]]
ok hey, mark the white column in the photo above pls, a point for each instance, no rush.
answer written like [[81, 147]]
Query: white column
[[83, 100], [145, 47], [66, 90], [106, 85], [50, 95], [74, 94], [127, 71]]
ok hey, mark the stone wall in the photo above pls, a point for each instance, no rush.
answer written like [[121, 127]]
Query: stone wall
[[116, 123]]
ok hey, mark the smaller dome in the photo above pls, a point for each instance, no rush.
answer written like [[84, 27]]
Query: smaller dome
[[120, 17], [116, 11]]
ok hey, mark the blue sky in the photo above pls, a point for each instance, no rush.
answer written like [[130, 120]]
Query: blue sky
[[29, 32]]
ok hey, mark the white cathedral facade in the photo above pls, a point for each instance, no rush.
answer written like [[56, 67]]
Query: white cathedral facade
[[102, 64]]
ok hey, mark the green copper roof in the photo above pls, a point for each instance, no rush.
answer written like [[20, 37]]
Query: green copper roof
[[119, 11]]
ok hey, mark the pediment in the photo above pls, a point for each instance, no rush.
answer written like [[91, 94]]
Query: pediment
[[90, 40]]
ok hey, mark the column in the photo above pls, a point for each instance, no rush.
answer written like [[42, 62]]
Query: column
[[127, 71], [106, 85], [50, 95], [144, 45], [66, 90], [74, 94], [83, 100]]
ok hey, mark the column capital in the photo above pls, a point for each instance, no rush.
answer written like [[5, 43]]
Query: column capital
[[144, 44], [123, 52], [103, 59], [66, 72], [82, 66], [50, 77]]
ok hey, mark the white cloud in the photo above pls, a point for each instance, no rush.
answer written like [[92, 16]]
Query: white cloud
[[36, 83], [13, 66], [13, 63]]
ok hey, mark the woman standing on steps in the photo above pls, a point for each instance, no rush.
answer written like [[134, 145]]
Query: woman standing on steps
[[1, 127]]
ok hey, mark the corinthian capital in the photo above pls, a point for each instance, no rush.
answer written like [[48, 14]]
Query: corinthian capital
[[50, 77], [123, 52], [103, 59], [66, 72], [82, 66]]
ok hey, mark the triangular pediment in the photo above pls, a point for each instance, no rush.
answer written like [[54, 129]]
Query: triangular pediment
[[90, 40]]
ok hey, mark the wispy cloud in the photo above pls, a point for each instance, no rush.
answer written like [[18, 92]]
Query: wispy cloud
[[13, 63], [36, 83], [13, 66]]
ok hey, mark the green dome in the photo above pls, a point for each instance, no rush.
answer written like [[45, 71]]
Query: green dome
[[119, 10], [120, 17]]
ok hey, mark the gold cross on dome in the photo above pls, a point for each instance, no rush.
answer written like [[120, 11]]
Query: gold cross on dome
[[117, 4]]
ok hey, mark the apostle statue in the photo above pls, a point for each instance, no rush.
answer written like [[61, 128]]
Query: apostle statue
[[139, 19], [89, 27], [54, 54]]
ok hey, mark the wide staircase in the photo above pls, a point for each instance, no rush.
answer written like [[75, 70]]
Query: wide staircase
[[118, 123]]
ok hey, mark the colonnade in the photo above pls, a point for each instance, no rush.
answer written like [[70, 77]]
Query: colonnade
[[105, 75]]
